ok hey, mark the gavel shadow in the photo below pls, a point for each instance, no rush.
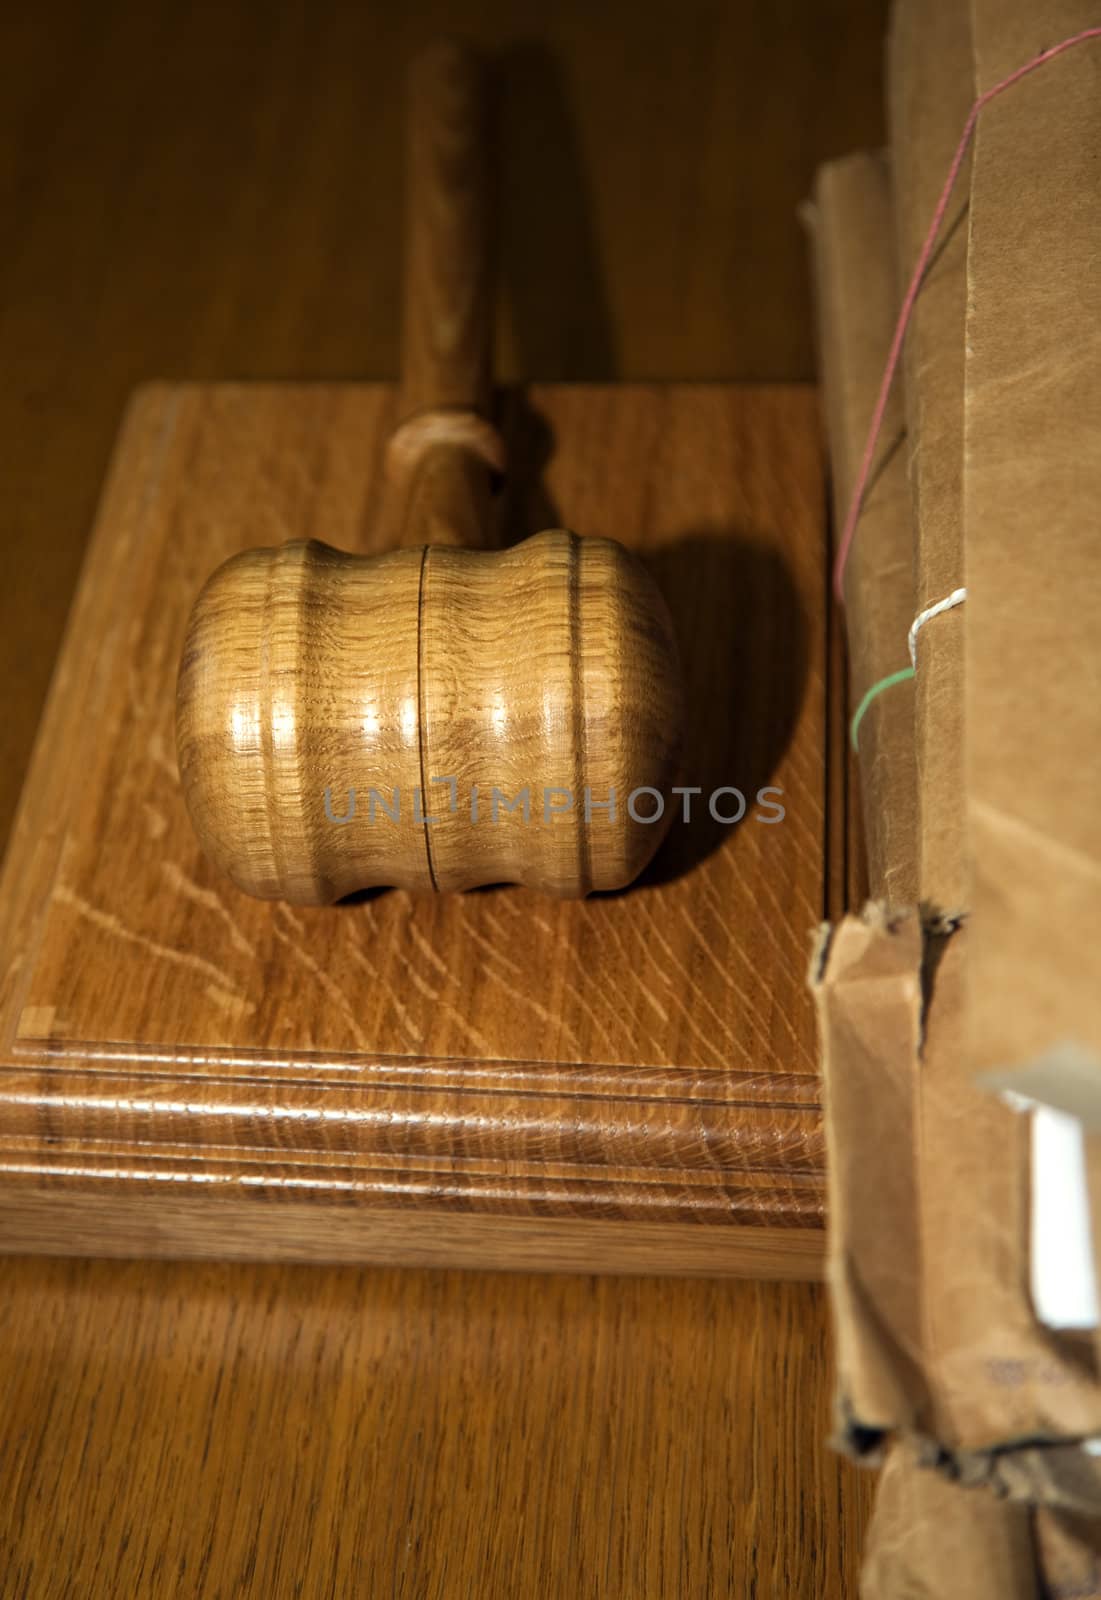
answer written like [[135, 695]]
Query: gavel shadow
[[743, 638], [551, 270], [740, 625]]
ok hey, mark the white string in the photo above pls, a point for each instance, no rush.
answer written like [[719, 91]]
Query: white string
[[956, 598]]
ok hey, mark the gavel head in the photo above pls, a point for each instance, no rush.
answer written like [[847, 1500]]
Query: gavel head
[[430, 718]]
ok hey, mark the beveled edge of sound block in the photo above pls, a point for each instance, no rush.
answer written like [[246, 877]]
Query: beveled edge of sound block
[[617, 1168], [121, 1222]]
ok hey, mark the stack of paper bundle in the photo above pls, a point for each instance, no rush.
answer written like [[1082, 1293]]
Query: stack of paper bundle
[[960, 1012]]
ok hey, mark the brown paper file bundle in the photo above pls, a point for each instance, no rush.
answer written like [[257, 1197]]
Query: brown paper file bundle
[[1000, 834], [851, 226], [940, 1357]]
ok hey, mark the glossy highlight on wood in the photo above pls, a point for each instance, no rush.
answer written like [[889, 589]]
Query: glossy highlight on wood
[[431, 719]]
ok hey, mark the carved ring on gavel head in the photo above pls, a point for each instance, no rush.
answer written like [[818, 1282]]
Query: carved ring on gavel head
[[441, 715]]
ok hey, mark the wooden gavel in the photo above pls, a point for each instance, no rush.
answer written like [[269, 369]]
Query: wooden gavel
[[445, 714]]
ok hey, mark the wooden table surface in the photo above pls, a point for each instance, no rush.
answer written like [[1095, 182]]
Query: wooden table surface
[[281, 1431], [212, 192]]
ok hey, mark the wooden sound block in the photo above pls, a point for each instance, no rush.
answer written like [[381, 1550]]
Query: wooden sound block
[[496, 1078]]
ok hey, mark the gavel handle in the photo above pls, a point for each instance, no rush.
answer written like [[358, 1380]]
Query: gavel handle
[[445, 450]]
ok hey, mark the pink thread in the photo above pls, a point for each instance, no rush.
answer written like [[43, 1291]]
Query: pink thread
[[911, 295]]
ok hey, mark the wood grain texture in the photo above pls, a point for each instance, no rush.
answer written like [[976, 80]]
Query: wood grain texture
[[216, 1432], [448, 289], [103, 1216], [653, 167], [441, 489], [642, 1056], [433, 719]]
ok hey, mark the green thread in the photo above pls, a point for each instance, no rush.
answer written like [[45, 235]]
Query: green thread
[[876, 689]]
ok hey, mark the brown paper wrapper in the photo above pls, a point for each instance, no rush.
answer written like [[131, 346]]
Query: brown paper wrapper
[[1093, 1180], [930, 91], [857, 307], [1069, 1551], [929, 1237], [867, 988], [997, 1376], [1032, 489], [938, 1343], [929, 1538]]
